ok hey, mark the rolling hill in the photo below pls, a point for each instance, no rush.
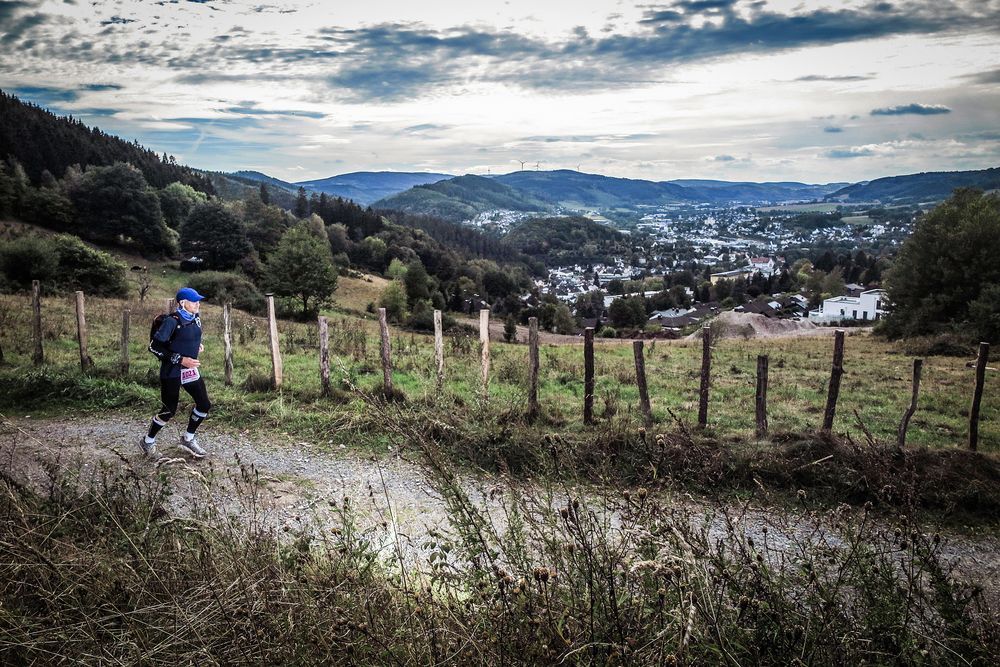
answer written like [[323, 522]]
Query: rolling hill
[[922, 187], [366, 187], [750, 193], [462, 198], [574, 189]]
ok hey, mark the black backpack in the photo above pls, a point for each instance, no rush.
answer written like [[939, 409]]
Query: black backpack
[[158, 322]]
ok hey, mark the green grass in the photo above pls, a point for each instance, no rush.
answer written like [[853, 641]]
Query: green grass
[[876, 383], [802, 208]]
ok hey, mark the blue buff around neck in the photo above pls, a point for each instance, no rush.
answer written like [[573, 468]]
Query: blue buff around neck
[[185, 315]]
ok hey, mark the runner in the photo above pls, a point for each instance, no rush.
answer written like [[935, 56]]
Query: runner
[[177, 343]]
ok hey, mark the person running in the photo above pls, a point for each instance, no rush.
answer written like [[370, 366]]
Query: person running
[[177, 343]]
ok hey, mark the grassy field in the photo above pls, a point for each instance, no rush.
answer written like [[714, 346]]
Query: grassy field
[[819, 207], [876, 383]]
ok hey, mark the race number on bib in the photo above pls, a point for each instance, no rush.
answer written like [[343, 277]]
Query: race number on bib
[[189, 375]]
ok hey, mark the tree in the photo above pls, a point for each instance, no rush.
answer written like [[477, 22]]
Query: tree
[[396, 269], [265, 225], [48, 207], [562, 320], [301, 268], [176, 201], [215, 235], [301, 203], [393, 299], [627, 312], [265, 196], [416, 280], [115, 205], [510, 329], [948, 264]]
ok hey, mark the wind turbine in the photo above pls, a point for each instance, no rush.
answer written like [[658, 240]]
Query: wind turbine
[[536, 165], [522, 164]]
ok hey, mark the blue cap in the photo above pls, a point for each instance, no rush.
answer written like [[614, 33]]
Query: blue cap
[[188, 294]]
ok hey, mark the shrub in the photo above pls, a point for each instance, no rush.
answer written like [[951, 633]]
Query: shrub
[[28, 258], [422, 317], [607, 332], [221, 287], [62, 264], [82, 267]]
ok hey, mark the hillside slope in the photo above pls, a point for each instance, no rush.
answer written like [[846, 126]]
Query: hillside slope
[[462, 198], [575, 189], [41, 141], [366, 187], [925, 186]]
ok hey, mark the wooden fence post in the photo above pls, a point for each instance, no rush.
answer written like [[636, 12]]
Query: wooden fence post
[[126, 318], [484, 341], [324, 356], [588, 375], [227, 343], [532, 368], [168, 306], [38, 356], [277, 370], [835, 374], [977, 395], [761, 397], [383, 325], [81, 333], [640, 380], [706, 371], [439, 349], [918, 365]]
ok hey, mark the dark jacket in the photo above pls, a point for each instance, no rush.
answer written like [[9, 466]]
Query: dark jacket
[[175, 339]]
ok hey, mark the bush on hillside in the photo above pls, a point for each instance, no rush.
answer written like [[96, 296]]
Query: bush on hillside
[[62, 264], [422, 317], [82, 267], [220, 287], [25, 259]]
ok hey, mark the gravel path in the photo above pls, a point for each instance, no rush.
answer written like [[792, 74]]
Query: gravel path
[[299, 480]]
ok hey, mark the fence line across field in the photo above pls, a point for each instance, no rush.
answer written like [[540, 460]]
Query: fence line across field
[[533, 408]]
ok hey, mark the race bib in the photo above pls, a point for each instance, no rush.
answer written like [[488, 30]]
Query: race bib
[[189, 375]]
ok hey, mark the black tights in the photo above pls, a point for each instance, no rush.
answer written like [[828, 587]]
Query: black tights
[[170, 391]]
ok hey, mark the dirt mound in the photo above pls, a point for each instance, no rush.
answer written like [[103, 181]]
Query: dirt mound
[[750, 325]]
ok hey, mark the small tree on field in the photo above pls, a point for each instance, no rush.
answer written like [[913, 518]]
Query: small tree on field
[[393, 299], [301, 268], [510, 329]]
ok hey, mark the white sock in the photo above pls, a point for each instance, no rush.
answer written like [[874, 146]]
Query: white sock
[[188, 436], [149, 441]]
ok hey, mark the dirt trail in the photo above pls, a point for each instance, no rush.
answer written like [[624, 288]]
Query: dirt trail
[[300, 479]]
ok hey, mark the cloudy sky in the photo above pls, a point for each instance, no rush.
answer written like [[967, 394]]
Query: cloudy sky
[[728, 89]]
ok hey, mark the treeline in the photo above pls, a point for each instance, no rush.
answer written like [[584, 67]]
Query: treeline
[[468, 240], [569, 240], [43, 143]]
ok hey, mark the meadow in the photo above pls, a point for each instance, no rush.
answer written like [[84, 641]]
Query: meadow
[[875, 388]]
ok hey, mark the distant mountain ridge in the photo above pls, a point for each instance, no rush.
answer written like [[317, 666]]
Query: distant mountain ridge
[[913, 188], [362, 187], [568, 189], [576, 189], [749, 192]]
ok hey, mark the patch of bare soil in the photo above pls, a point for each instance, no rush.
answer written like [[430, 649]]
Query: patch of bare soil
[[752, 325]]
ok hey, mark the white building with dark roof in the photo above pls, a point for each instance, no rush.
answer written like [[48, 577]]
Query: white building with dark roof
[[867, 306]]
